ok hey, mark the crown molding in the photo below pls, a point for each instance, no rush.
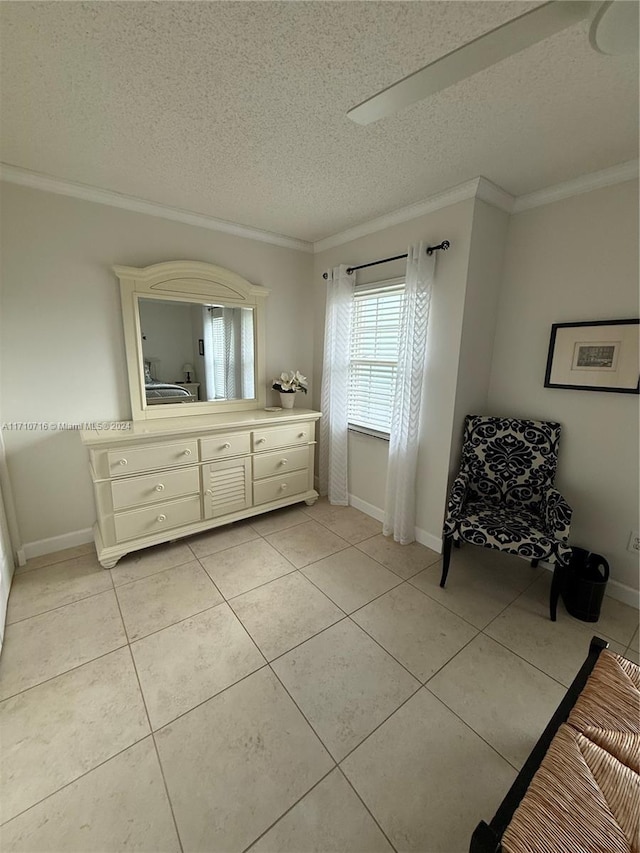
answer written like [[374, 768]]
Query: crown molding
[[38, 181], [461, 192], [585, 183], [494, 195], [479, 187]]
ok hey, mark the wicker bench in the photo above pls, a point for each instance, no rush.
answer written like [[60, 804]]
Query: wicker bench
[[579, 790]]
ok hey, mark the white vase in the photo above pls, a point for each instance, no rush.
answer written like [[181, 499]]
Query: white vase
[[287, 399]]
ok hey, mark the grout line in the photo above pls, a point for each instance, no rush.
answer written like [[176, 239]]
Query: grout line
[[123, 645], [58, 607], [76, 779], [382, 722], [471, 729], [155, 745], [373, 817], [153, 574], [278, 819]]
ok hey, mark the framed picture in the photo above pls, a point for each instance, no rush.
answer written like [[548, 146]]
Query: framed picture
[[603, 355]]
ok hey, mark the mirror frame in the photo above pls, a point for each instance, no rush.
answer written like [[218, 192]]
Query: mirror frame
[[203, 284]]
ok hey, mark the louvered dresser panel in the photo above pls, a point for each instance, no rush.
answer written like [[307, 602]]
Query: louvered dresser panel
[[226, 486]]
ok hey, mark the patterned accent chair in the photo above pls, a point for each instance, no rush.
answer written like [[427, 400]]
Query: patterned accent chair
[[503, 497]]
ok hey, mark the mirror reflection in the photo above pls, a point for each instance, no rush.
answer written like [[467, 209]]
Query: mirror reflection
[[196, 352]]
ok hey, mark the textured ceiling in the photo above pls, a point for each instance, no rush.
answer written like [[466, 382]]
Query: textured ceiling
[[238, 109]]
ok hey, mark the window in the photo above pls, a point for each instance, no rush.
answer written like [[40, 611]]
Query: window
[[375, 334]]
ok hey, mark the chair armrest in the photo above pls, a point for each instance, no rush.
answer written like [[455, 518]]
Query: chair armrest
[[556, 514], [457, 495]]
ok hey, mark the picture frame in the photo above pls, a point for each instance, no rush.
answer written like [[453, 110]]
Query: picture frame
[[601, 355]]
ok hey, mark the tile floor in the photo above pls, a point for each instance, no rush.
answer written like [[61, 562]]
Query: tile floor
[[291, 684]]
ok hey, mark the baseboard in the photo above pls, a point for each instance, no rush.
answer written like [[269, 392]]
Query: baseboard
[[615, 589], [57, 543], [422, 536], [367, 508], [428, 539]]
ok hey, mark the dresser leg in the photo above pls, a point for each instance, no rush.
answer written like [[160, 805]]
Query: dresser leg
[[311, 501], [109, 564]]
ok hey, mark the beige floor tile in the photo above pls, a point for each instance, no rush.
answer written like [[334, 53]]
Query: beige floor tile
[[57, 557], [617, 620], [345, 521], [245, 567], [486, 676], [404, 560], [160, 600], [351, 578], [52, 643], [417, 631], [330, 819], [58, 730], [150, 561], [187, 663], [427, 778], [284, 613], [557, 648], [121, 805], [221, 538], [632, 654], [480, 584], [238, 762], [278, 519], [53, 586], [345, 685], [306, 543]]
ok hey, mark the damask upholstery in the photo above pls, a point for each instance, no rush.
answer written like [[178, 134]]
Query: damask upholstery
[[503, 497]]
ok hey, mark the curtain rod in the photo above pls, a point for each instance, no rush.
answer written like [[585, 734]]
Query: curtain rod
[[430, 250]]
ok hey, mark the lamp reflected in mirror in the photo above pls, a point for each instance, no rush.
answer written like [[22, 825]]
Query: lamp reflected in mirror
[[188, 343]]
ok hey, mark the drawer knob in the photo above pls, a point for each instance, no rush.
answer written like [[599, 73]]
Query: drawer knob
[[261, 441], [160, 487], [284, 461], [209, 492], [123, 462], [187, 452], [162, 518], [302, 435], [283, 486], [226, 445]]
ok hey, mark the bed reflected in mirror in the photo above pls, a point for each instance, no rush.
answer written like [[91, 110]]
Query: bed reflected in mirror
[[196, 352]]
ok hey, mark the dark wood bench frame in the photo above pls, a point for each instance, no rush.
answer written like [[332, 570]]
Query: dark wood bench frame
[[486, 837]]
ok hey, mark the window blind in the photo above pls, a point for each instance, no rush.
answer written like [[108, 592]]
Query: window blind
[[374, 356]]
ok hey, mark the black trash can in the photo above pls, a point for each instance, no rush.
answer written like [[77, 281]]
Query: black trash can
[[585, 584]]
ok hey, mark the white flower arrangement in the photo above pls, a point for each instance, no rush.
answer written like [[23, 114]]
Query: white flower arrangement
[[289, 383]]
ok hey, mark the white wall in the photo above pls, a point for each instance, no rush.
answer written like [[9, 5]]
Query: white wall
[[575, 260], [62, 346], [368, 456], [168, 333]]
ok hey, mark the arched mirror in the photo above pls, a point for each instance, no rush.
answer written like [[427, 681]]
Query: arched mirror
[[194, 336]]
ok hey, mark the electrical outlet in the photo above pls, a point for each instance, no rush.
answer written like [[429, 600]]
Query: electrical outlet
[[634, 542]]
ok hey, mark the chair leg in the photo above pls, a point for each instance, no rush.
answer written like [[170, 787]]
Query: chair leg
[[534, 564], [457, 543], [556, 585], [446, 558]]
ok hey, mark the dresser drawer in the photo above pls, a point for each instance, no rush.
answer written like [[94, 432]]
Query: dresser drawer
[[269, 439], [280, 462], [280, 487], [219, 446], [163, 486], [133, 460], [156, 519]]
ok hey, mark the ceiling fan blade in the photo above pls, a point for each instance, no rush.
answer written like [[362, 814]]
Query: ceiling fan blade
[[486, 50]]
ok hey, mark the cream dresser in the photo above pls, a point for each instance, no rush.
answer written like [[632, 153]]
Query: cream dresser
[[163, 479]]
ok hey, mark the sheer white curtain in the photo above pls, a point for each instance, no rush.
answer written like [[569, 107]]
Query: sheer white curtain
[[400, 503], [335, 385]]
